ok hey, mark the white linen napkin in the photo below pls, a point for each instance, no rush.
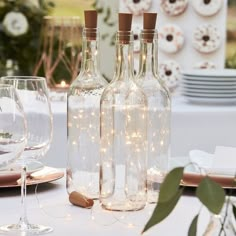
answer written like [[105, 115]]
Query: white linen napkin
[[222, 162]]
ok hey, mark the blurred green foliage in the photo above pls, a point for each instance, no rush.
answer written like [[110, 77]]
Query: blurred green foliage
[[23, 49]]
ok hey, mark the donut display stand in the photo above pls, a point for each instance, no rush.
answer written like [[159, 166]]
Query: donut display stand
[[171, 38], [198, 27], [204, 65], [206, 38], [136, 28], [173, 7], [137, 7], [169, 72], [207, 7]]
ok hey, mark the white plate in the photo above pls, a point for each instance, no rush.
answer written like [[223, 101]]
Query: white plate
[[216, 101], [209, 83], [211, 73], [202, 85], [208, 95], [13, 171], [210, 79], [208, 91]]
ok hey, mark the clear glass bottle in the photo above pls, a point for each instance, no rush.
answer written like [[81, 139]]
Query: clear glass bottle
[[84, 120], [223, 224], [123, 135], [159, 111]]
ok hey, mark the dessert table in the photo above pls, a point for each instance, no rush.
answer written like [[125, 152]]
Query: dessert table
[[50, 206], [193, 126]]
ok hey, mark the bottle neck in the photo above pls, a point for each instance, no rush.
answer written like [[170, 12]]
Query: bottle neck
[[90, 52], [148, 54], [124, 56]]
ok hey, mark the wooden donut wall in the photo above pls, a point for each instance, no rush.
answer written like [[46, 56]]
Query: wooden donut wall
[[187, 57]]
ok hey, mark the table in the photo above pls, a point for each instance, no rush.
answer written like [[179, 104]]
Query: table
[[51, 207], [193, 126]]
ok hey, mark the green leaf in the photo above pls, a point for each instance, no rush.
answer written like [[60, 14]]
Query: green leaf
[[170, 185], [211, 195], [162, 210], [108, 14], [193, 227], [234, 211], [110, 24], [5, 135]]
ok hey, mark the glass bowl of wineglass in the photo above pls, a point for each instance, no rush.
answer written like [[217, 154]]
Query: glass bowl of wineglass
[[33, 94], [12, 126]]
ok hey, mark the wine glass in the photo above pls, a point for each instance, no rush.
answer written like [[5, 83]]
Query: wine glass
[[12, 126], [33, 94]]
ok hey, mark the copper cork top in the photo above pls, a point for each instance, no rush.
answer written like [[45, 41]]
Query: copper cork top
[[125, 22], [90, 17], [149, 25], [149, 21]]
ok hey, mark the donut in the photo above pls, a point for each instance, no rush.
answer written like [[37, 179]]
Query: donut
[[137, 7], [171, 38], [205, 65], [206, 38], [207, 7], [174, 7], [169, 72], [136, 31]]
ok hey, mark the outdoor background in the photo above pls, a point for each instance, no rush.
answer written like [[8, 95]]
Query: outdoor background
[[76, 7]]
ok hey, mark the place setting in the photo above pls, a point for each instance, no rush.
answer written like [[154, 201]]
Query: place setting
[[37, 173], [219, 166], [25, 137]]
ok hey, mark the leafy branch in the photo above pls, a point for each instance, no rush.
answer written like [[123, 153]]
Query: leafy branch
[[5, 135], [107, 19], [210, 194]]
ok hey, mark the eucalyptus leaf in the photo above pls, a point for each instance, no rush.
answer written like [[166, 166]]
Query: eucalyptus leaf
[[234, 211], [5, 135], [110, 24], [170, 185], [162, 210], [193, 227], [108, 14], [211, 195], [104, 36]]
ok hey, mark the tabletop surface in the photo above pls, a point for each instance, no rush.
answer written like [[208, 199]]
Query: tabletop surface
[[48, 204], [179, 104]]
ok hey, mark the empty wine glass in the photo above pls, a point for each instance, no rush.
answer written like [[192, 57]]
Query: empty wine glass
[[33, 94], [12, 126]]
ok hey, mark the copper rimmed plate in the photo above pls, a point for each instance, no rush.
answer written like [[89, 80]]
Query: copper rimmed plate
[[13, 171], [45, 175], [192, 178]]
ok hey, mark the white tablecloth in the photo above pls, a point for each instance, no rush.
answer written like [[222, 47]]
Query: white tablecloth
[[192, 127], [51, 207]]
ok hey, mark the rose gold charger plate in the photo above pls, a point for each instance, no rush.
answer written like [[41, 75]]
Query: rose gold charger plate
[[45, 175], [192, 178]]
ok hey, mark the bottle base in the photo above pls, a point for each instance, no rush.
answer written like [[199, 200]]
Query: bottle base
[[122, 206]]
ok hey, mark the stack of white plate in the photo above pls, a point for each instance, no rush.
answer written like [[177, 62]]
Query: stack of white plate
[[209, 86]]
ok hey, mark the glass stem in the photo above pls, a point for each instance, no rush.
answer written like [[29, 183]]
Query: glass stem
[[23, 218]]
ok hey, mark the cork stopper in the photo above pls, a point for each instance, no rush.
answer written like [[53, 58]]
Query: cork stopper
[[149, 21], [149, 25], [125, 22], [90, 18], [80, 200]]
